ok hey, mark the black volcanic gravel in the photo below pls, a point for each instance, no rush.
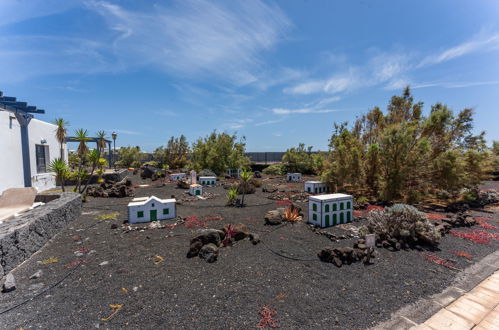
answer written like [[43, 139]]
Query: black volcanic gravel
[[186, 293]]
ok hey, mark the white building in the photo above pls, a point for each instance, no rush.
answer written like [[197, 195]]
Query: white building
[[316, 187], [177, 176], [196, 189], [293, 177], [145, 209], [330, 210], [233, 173], [27, 146], [207, 180]]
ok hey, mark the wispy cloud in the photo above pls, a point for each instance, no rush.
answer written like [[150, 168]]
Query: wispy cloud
[[198, 37], [124, 131], [186, 38], [456, 84], [478, 43], [281, 111], [237, 123], [269, 122]]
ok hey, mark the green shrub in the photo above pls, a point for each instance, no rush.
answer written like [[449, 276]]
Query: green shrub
[[402, 222], [274, 169]]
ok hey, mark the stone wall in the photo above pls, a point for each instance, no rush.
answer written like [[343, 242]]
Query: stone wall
[[22, 236]]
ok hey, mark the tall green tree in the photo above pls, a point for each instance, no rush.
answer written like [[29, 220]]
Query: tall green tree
[[219, 152], [405, 155]]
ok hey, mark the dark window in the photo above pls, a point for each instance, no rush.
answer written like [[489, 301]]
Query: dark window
[[166, 211], [140, 214], [326, 208], [348, 205], [42, 158], [314, 207]]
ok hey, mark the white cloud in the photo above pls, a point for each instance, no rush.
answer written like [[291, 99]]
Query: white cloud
[[237, 123], [479, 43], [197, 37], [456, 84], [124, 131], [269, 122], [281, 111]]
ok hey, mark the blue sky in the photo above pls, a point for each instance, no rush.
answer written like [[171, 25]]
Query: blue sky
[[278, 72]]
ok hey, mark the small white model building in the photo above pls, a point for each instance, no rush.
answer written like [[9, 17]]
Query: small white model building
[[207, 180], [145, 209], [234, 172], [293, 177], [177, 176], [329, 210], [196, 189], [316, 187]]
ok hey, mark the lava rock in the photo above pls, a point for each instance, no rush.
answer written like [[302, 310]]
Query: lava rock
[[254, 238], [241, 232], [36, 275], [210, 236], [9, 283], [194, 248], [114, 226], [273, 217], [209, 252]]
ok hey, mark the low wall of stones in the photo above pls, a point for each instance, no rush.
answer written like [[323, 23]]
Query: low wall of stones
[[108, 177], [22, 236]]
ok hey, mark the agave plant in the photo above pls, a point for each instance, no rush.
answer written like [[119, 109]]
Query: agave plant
[[245, 176], [60, 168], [61, 133], [231, 196], [291, 214]]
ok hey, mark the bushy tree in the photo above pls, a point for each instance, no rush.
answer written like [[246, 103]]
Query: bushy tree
[[302, 160], [130, 156], [405, 155], [175, 155], [219, 152]]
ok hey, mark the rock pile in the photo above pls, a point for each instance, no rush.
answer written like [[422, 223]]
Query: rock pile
[[295, 196], [206, 245], [119, 189], [347, 255], [277, 216], [461, 219]]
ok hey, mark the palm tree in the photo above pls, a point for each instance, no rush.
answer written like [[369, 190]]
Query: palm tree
[[101, 142], [61, 133], [59, 167], [81, 135], [245, 176]]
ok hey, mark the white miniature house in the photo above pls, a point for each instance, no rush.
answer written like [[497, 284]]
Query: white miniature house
[[293, 177], [207, 180], [177, 176], [329, 210], [196, 189], [145, 209], [234, 172], [316, 187]]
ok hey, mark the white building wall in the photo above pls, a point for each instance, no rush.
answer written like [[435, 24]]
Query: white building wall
[[146, 209], [11, 163], [11, 160]]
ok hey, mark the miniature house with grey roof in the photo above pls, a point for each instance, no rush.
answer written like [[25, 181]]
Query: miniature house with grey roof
[[208, 180], [233, 172], [145, 209], [316, 187], [293, 177], [177, 176], [330, 210], [196, 189]]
